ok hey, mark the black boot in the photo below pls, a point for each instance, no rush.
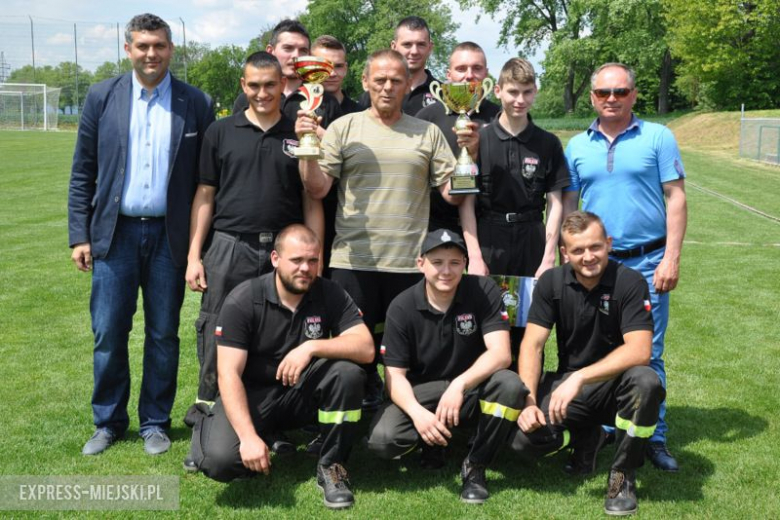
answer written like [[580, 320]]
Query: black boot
[[474, 490], [621, 493], [334, 483], [585, 449], [659, 455]]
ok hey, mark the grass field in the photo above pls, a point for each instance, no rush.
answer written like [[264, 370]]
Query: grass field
[[723, 347]]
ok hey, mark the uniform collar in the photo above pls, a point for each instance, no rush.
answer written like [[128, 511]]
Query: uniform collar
[[503, 135], [607, 280], [283, 125], [421, 299]]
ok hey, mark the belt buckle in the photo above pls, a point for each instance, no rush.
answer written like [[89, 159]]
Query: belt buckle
[[265, 238], [511, 217]]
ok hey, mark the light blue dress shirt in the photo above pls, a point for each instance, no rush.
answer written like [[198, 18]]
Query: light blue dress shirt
[[148, 151]]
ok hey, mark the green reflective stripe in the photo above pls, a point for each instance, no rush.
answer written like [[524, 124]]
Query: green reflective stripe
[[499, 410], [210, 404], [643, 432], [338, 416], [566, 440]]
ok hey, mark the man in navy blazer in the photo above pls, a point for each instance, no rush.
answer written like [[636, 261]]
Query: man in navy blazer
[[132, 183]]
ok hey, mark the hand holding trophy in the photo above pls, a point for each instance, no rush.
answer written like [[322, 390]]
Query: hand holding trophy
[[462, 98], [313, 71]]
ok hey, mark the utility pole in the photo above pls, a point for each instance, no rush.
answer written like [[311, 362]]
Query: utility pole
[[186, 56]]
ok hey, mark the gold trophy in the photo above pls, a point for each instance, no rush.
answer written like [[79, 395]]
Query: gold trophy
[[462, 98], [313, 71]]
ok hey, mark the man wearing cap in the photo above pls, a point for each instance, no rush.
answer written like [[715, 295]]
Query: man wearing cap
[[446, 350]]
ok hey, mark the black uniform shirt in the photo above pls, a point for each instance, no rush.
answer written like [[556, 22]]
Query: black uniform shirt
[[253, 319], [435, 346], [256, 175], [444, 214], [590, 324], [516, 172], [329, 110], [414, 101]]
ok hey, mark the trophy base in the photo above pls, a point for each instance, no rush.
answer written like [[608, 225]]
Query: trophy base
[[307, 152], [463, 185]]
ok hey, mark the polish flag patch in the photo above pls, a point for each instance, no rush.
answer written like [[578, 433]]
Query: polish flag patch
[[382, 350], [218, 332], [647, 305], [504, 316]]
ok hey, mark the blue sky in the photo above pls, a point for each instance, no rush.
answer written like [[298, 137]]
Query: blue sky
[[217, 22]]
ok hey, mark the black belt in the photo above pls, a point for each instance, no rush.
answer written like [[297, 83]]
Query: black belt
[[532, 215], [142, 219], [642, 250], [263, 237]]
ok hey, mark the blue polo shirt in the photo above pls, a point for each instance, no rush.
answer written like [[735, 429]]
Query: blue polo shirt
[[622, 181]]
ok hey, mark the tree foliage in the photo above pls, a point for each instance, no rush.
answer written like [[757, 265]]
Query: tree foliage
[[729, 51], [365, 26], [218, 73], [63, 76]]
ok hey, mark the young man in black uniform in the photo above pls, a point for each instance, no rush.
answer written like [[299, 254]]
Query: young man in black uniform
[[288, 343], [290, 40], [446, 350], [467, 63], [601, 311], [249, 189], [413, 40], [331, 49]]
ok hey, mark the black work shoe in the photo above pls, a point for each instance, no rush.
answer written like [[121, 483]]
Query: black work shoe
[[621, 493], [315, 446], [659, 455], [432, 457], [585, 449], [189, 465], [474, 490], [373, 396], [334, 483], [280, 444]]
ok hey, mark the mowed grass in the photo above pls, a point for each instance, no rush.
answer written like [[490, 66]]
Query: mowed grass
[[722, 352]]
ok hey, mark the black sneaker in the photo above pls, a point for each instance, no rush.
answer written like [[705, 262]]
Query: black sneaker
[[189, 465], [373, 397], [280, 443], [585, 449], [621, 493], [432, 457], [334, 483], [315, 446], [659, 455], [474, 490]]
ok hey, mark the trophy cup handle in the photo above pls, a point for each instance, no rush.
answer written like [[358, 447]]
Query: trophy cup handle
[[435, 89], [487, 86]]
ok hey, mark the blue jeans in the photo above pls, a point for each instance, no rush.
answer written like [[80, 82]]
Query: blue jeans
[[139, 257], [646, 265]]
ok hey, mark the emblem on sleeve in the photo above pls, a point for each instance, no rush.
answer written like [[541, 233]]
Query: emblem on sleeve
[[465, 324], [312, 327]]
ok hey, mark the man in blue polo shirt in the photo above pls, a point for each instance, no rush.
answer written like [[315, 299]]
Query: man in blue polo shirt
[[629, 172]]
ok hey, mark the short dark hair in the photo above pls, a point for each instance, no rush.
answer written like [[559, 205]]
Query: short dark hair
[[577, 222], [386, 54], [413, 23], [467, 46], [302, 232], [146, 22], [289, 25], [326, 41], [263, 60]]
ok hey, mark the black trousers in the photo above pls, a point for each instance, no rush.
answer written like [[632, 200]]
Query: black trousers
[[494, 406], [329, 391], [372, 292], [512, 248], [630, 402], [228, 261]]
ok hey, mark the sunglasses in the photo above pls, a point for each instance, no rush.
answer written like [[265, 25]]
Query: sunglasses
[[604, 93]]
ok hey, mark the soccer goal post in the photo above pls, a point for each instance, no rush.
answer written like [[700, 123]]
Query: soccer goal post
[[26, 106]]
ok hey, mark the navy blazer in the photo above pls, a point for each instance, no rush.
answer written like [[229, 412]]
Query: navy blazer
[[98, 173]]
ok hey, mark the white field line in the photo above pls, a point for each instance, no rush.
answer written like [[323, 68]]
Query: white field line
[[734, 201], [728, 244]]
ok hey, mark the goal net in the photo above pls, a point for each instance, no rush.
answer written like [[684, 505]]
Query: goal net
[[28, 106]]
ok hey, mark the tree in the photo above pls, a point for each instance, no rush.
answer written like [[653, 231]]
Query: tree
[[218, 73], [364, 26], [728, 50]]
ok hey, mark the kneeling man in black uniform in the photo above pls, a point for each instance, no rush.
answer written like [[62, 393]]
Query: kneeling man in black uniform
[[604, 326], [288, 343], [446, 350]]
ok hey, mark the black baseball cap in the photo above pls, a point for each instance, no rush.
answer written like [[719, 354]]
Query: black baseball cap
[[442, 237]]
